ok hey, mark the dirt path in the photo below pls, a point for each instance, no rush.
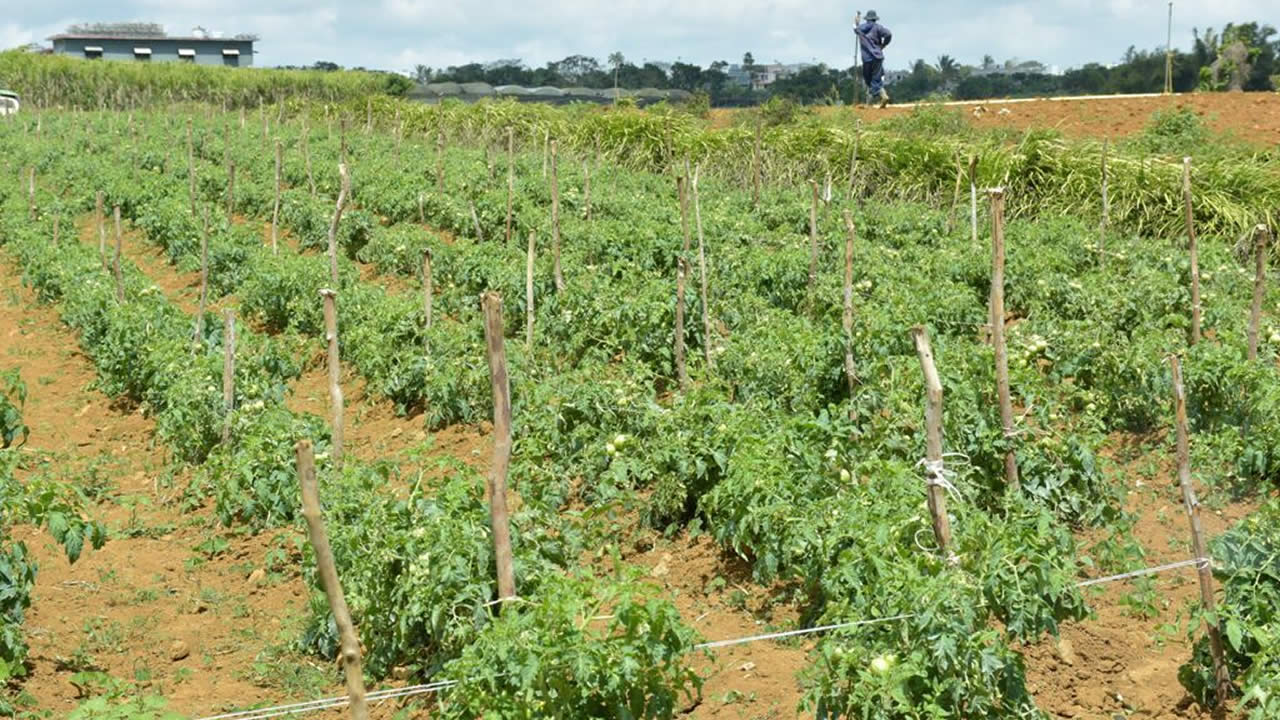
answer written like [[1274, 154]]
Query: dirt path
[[1124, 662], [147, 597], [1253, 117]]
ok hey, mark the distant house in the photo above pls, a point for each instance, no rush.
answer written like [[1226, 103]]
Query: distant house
[[146, 42], [759, 77]]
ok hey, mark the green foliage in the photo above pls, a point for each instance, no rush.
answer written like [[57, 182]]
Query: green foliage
[[558, 657], [13, 396], [1178, 131], [1247, 564]]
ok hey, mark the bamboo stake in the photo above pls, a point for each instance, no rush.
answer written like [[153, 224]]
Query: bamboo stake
[[813, 243], [335, 372], [275, 211], [702, 271], [555, 219], [328, 571], [491, 303], [1221, 673], [1192, 249], [933, 439], [31, 193], [997, 336], [204, 278], [528, 293], [422, 215], [511, 178], [1260, 239], [116, 265], [228, 371], [343, 193], [847, 324], [682, 271], [56, 218], [100, 216]]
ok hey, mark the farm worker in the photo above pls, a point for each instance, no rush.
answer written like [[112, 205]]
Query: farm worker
[[874, 38]]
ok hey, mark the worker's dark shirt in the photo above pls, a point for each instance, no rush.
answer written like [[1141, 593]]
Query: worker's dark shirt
[[874, 38]]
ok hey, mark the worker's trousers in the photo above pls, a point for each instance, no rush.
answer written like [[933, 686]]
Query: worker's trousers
[[873, 75]]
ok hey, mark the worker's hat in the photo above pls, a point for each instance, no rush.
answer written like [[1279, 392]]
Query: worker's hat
[[872, 16]]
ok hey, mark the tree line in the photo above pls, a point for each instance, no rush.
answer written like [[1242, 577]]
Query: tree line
[[1243, 56]]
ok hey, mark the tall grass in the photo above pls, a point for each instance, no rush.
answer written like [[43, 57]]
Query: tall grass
[[69, 82], [911, 158]]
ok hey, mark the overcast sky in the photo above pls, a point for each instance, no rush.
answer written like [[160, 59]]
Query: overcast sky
[[398, 34]]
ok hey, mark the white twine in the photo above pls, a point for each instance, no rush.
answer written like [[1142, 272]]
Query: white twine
[[395, 693], [1196, 562], [936, 474]]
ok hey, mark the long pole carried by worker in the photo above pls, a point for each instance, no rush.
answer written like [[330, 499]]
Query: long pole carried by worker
[[857, 61]]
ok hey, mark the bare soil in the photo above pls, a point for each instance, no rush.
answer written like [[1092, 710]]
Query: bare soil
[[1251, 117]]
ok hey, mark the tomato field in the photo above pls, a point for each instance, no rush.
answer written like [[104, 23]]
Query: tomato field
[[709, 340]]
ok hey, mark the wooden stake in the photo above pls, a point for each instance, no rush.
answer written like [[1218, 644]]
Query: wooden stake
[[204, 278], [702, 271], [328, 571], [1192, 249], [440, 161], [191, 167], [100, 216], [813, 243], [231, 189], [853, 156], [422, 215], [1222, 675], [528, 293], [491, 303], [555, 220], [116, 264], [586, 187], [475, 217], [682, 271], [850, 236], [997, 336], [755, 169], [546, 143], [228, 371], [955, 196], [306, 155], [1261, 236], [1106, 198], [511, 178], [31, 193], [428, 291], [343, 193], [933, 439], [275, 211], [56, 218], [335, 372], [973, 198], [368, 116]]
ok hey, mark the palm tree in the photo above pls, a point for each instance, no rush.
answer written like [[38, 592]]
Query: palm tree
[[948, 66], [617, 61]]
